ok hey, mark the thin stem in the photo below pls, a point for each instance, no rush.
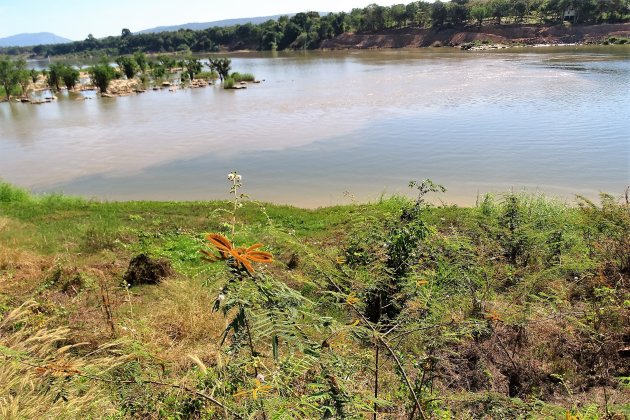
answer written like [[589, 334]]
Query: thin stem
[[249, 338]]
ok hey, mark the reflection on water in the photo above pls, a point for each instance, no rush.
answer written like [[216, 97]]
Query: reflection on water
[[553, 119]]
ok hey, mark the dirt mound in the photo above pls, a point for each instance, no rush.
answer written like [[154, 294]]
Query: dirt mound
[[503, 34], [145, 270]]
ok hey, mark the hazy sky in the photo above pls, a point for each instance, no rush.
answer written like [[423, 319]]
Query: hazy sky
[[75, 19]]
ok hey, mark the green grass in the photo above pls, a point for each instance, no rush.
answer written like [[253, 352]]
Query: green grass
[[228, 83], [243, 77]]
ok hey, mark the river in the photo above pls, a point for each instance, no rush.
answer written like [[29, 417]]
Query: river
[[553, 119]]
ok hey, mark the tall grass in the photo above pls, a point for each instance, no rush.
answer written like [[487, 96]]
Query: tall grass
[[12, 194], [243, 77], [38, 373], [228, 83]]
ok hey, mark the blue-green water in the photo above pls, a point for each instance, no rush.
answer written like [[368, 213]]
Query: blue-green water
[[552, 119]]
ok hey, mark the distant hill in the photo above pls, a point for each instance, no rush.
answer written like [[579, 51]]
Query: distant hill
[[26, 40], [227, 22]]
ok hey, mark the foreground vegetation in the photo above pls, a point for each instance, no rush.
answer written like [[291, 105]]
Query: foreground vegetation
[[308, 30], [517, 307]]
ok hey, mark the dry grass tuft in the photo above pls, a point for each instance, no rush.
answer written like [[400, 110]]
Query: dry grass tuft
[[41, 375], [182, 324]]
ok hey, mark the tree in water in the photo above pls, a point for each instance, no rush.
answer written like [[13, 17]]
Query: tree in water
[[101, 75], [11, 74], [221, 66], [128, 66]]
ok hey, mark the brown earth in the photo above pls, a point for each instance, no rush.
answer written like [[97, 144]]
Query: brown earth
[[503, 34]]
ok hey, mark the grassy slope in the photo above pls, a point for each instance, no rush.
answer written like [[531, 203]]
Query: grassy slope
[[534, 297]]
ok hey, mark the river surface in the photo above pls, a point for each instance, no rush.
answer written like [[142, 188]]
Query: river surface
[[553, 119]]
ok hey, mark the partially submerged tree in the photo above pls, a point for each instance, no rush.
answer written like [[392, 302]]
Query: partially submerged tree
[[101, 75], [55, 75], [70, 77], [193, 67], [127, 65], [59, 73], [11, 74], [222, 66]]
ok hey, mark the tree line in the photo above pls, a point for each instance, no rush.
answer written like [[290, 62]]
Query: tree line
[[307, 30]]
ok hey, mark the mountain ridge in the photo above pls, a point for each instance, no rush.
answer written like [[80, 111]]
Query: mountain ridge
[[197, 26], [30, 39]]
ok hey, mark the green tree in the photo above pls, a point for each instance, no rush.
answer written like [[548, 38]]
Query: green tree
[[23, 76], [456, 13], [479, 13], [158, 72], [411, 12], [193, 67], [166, 61], [55, 75], [10, 74], [34, 75], [141, 60], [399, 14], [438, 13], [70, 77], [222, 66], [101, 75], [127, 65], [499, 9]]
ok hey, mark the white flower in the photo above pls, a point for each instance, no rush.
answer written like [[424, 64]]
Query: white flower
[[231, 177], [221, 297], [260, 377], [238, 178]]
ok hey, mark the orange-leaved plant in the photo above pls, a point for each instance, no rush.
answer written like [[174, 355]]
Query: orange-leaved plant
[[241, 256]]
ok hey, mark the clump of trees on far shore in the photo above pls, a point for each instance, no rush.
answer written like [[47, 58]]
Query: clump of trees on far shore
[[308, 30]]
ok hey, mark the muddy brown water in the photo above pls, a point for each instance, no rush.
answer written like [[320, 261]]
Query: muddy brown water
[[554, 119]]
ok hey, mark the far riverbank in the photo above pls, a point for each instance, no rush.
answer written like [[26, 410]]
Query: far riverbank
[[491, 34]]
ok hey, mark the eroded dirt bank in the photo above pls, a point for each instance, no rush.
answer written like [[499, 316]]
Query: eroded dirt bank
[[504, 34]]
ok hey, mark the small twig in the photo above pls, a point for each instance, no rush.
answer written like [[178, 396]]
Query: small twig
[[507, 353], [427, 327], [107, 305]]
